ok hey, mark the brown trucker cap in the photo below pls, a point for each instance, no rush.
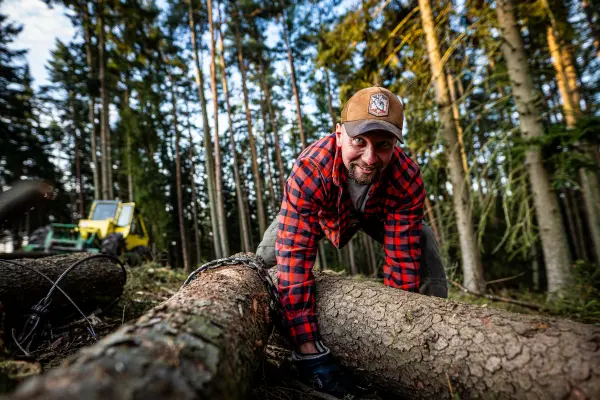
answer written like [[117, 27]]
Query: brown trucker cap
[[373, 108]]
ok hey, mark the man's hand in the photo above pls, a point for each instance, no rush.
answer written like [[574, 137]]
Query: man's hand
[[318, 368]]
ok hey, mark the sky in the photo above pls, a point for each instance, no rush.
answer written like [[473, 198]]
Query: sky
[[41, 27]]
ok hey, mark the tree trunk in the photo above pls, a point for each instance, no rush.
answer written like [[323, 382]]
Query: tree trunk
[[566, 77], [205, 342], [371, 251], [552, 231], [322, 255], [198, 236], [329, 100], [208, 159], [459, 130], [574, 201], [104, 127], [589, 14], [127, 110], [430, 348], [239, 182], [570, 210], [370, 260], [262, 222], [293, 76], [187, 268], [432, 221], [269, 177], [92, 84], [352, 262], [92, 284], [471, 257], [220, 203], [273, 119], [78, 182]]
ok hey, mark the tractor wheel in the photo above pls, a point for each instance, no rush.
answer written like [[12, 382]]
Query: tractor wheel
[[139, 255], [113, 245], [38, 236]]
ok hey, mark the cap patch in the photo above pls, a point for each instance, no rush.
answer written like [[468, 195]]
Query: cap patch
[[379, 105]]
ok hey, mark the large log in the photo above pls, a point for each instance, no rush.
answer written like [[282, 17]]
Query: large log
[[425, 347], [94, 283], [204, 342]]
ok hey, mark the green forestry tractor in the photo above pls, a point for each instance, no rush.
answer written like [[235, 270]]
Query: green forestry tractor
[[113, 228]]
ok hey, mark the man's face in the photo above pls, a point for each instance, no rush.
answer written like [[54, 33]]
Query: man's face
[[365, 156]]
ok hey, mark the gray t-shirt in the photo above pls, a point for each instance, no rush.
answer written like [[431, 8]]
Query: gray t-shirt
[[359, 195]]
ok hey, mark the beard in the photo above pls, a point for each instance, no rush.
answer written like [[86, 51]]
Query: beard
[[362, 179]]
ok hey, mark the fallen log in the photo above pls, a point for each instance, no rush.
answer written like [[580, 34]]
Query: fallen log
[[94, 283], [204, 342], [426, 347]]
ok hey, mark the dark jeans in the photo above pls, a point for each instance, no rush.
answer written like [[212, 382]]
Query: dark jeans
[[432, 274]]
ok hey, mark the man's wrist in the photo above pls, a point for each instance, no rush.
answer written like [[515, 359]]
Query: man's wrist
[[308, 348]]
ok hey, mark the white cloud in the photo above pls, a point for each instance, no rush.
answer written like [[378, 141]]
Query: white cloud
[[41, 27]]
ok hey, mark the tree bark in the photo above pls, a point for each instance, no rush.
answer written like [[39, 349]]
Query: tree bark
[[221, 219], [205, 342], [423, 347], [104, 127], [552, 231], [239, 182], [262, 222], [184, 248], [208, 159], [94, 283], [471, 257]]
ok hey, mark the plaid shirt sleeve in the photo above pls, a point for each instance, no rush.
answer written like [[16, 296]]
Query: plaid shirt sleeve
[[296, 249], [401, 242]]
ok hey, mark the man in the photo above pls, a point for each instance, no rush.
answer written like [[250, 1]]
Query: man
[[354, 179]]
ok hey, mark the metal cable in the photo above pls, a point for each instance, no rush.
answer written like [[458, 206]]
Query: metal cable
[[43, 304]]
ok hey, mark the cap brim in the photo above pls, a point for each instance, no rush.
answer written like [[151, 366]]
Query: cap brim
[[355, 128]]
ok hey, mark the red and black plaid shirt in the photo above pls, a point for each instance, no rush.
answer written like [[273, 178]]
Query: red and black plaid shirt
[[316, 203]]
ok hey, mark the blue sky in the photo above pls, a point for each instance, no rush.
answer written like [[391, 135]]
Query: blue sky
[[41, 27]]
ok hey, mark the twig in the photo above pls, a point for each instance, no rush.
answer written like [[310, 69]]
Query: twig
[[450, 386], [506, 279], [123, 319], [532, 306]]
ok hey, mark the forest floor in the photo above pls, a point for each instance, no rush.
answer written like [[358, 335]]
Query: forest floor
[[151, 284]]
